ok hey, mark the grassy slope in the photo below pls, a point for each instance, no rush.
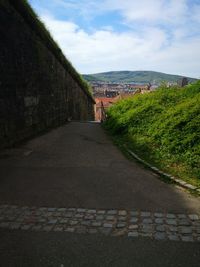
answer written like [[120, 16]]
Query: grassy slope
[[134, 76], [162, 127]]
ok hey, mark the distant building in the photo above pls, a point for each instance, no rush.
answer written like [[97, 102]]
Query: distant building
[[102, 103]]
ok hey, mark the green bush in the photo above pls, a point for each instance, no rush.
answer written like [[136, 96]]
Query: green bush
[[163, 127]]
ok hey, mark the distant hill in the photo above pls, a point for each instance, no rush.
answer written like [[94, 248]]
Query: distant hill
[[134, 77]]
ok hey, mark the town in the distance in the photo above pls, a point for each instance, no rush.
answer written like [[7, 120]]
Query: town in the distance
[[107, 89]]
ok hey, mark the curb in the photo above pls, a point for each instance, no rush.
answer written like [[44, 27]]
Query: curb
[[170, 177]]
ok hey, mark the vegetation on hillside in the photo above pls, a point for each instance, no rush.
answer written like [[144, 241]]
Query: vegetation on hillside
[[163, 127], [38, 26], [134, 77]]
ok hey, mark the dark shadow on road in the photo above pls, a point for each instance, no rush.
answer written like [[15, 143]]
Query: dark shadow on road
[[78, 166]]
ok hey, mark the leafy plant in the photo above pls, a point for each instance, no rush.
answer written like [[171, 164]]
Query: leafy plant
[[163, 127]]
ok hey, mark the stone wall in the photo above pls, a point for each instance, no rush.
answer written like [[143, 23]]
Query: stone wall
[[37, 91]]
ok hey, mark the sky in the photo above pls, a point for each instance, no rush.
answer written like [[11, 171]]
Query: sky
[[112, 35]]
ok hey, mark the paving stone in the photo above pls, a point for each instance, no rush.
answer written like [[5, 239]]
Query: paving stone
[[133, 234], [193, 217], [91, 211], [160, 228], [121, 218], [159, 220], [89, 217], [122, 212], [147, 228], [41, 220], [79, 215], [68, 214], [184, 222], [51, 209], [115, 222], [133, 227], [110, 217], [145, 214], [101, 212], [171, 221], [38, 213], [48, 214], [160, 236], [57, 214], [171, 216], [133, 220], [185, 230], [121, 225], [147, 221], [99, 217], [119, 232], [107, 225], [63, 221], [182, 216], [73, 222], [71, 209], [173, 228], [81, 210], [147, 234], [112, 212], [134, 213], [158, 215], [62, 209], [54, 221], [86, 223], [96, 224]]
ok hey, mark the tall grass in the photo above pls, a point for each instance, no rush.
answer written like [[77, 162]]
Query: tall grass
[[163, 127]]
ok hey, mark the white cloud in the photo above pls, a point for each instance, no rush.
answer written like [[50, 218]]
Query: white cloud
[[152, 11], [107, 50]]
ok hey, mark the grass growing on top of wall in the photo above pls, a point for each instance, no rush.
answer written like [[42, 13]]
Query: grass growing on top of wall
[[163, 127], [38, 26]]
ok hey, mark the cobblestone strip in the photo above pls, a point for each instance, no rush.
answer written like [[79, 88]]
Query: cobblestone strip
[[160, 226]]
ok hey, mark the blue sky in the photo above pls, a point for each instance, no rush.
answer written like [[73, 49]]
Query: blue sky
[[98, 36]]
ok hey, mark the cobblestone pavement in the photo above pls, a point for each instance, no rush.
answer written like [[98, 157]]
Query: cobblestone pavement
[[160, 226]]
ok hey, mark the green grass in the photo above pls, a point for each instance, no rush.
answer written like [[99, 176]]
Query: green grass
[[162, 127], [24, 8]]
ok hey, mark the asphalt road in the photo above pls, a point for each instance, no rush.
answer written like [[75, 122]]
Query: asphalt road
[[29, 249], [78, 166]]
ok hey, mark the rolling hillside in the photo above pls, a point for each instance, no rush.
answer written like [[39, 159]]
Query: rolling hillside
[[162, 127], [134, 77]]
